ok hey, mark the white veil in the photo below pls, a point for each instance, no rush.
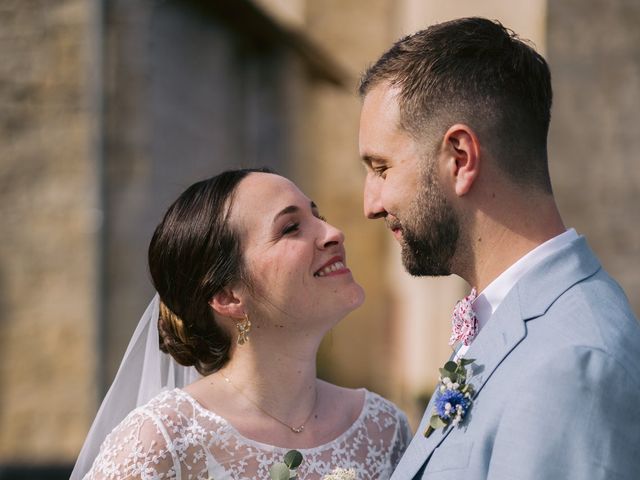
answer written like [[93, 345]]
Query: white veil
[[144, 372]]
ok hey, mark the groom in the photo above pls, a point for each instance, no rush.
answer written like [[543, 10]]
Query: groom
[[453, 134]]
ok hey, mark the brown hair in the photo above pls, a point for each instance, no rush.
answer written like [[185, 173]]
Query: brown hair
[[477, 72], [194, 254]]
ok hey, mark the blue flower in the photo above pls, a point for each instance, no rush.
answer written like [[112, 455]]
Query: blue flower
[[447, 404], [453, 396]]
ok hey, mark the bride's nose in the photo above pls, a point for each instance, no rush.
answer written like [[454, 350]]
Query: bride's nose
[[330, 236]]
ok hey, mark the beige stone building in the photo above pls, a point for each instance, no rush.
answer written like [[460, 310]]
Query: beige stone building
[[110, 108]]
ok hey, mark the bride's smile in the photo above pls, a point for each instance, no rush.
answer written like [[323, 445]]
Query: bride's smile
[[293, 256], [333, 267]]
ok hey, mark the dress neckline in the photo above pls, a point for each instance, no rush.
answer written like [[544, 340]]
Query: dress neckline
[[366, 405]]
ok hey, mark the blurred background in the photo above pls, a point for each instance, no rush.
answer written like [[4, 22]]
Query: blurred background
[[110, 108]]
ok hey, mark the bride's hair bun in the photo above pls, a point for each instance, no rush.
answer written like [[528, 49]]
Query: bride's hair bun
[[173, 339], [194, 254]]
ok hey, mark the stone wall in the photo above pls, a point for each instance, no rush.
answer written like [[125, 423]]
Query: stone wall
[[594, 52], [47, 240]]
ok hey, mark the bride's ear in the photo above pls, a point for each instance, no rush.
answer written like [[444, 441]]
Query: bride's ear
[[227, 304]]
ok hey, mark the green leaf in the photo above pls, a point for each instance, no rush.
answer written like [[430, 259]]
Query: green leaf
[[451, 366], [436, 422], [450, 375], [279, 471], [293, 459], [466, 361]]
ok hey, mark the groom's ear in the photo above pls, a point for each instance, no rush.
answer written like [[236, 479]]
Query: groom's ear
[[462, 156], [227, 303]]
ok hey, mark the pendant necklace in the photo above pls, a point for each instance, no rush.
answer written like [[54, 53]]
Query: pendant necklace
[[298, 429]]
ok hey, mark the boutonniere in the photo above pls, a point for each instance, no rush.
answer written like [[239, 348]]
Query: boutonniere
[[453, 396]]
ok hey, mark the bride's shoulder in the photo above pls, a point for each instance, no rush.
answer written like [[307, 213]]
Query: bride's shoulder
[[158, 409], [362, 402], [168, 407], [138, 439], [351, 400], [381, 406], [174, 398]]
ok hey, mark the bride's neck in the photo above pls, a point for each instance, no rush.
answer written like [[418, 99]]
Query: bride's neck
[[264, 370], [280, 377]]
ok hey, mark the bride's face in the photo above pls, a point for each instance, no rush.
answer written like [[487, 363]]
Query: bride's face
[[295, 259]]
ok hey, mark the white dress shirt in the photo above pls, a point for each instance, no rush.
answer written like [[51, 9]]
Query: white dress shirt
[[491, 297]]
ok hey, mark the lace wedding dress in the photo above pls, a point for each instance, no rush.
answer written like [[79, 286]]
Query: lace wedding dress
[[174, 437]]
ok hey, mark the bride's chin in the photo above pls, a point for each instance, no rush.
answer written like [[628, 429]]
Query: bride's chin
[[357, 297]]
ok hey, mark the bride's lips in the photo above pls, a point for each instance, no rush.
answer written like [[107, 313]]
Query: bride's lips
[[335, 266]]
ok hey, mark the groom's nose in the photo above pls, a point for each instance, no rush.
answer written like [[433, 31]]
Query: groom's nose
[[372, 197]]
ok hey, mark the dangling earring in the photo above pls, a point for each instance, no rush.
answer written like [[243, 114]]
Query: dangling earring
[[244, 327]]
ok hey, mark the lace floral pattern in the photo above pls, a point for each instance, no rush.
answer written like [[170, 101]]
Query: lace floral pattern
[[174, 437]]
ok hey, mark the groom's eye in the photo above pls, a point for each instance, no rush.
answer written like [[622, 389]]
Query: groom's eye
[[380, 171]]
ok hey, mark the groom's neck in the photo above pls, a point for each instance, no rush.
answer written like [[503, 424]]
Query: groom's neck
[[501, 230]]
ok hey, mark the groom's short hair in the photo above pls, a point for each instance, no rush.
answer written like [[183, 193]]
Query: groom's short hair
[[477, 72]]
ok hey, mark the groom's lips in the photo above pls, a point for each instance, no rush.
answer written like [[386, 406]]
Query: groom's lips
[[395, 227]]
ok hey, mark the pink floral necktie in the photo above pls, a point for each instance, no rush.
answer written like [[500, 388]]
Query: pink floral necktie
[[464, 324]]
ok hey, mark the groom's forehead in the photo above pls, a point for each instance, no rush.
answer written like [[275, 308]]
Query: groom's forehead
[[379, 122], [381, 104]]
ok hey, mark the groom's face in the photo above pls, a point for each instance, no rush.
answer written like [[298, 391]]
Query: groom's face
[[403, 187]]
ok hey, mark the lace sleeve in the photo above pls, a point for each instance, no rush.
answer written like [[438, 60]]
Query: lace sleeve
[[402, 439], [137, 448]]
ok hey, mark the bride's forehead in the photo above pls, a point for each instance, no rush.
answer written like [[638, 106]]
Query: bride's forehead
[[265, 192]]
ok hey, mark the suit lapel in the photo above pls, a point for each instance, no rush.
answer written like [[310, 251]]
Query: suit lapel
[[530, 298], [497, 339], [420, 447]]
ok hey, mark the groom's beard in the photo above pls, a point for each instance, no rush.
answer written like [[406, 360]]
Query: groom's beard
[[430, 231]]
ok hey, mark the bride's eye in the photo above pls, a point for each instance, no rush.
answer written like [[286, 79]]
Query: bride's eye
[[290, 228]]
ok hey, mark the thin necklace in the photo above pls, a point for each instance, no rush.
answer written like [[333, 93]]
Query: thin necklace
[[299, 429]]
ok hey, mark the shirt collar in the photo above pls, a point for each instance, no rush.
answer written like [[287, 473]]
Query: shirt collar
[[490, 298]]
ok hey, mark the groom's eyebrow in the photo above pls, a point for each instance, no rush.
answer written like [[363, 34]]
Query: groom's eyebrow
[[292, 209], [370, 159], [366, 159]]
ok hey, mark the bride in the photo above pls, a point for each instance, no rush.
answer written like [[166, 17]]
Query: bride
[[249, 278]]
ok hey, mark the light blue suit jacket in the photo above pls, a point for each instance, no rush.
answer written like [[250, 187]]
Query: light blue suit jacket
[[557, 381]]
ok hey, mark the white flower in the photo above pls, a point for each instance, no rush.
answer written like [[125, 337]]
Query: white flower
[[341, 474]]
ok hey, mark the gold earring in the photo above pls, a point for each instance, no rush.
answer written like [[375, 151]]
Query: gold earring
[[244, 327]]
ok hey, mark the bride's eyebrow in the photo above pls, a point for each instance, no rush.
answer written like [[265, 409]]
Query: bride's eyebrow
[[292, 209]]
